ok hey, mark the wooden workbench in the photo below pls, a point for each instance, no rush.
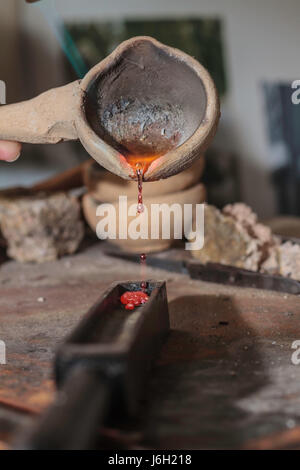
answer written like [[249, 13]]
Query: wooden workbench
[[224, 379]]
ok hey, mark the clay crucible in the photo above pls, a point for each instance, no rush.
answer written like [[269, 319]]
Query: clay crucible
[[145, 100]]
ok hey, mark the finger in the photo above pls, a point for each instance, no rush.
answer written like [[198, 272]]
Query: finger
[[9, 151]]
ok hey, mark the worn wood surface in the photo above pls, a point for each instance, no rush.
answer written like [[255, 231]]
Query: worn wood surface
[[224, 379]]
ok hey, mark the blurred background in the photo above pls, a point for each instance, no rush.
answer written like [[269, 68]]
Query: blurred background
[[250, 49]]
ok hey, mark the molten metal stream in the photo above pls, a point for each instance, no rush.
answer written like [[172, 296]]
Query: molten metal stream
[[134, 299], [143, 259], [140, 205]]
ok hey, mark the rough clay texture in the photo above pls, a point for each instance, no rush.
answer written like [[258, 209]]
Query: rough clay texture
[[42, 227], [234, 237]]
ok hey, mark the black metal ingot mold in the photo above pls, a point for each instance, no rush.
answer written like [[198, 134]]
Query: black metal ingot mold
[[118, 343], [101, 369]]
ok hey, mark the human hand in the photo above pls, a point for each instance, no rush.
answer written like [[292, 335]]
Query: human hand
[[9, 151]]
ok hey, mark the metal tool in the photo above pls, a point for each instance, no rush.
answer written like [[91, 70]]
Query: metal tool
[[215, 272], [101, 369], [230, 275]]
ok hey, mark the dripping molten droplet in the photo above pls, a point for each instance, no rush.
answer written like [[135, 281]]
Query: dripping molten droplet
[[140, 205], [143, 259]]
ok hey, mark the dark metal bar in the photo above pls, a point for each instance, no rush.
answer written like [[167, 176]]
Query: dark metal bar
[[220, 273], [229, 275]]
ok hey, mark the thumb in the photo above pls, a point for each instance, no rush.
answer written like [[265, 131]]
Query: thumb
[[9, 151]]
